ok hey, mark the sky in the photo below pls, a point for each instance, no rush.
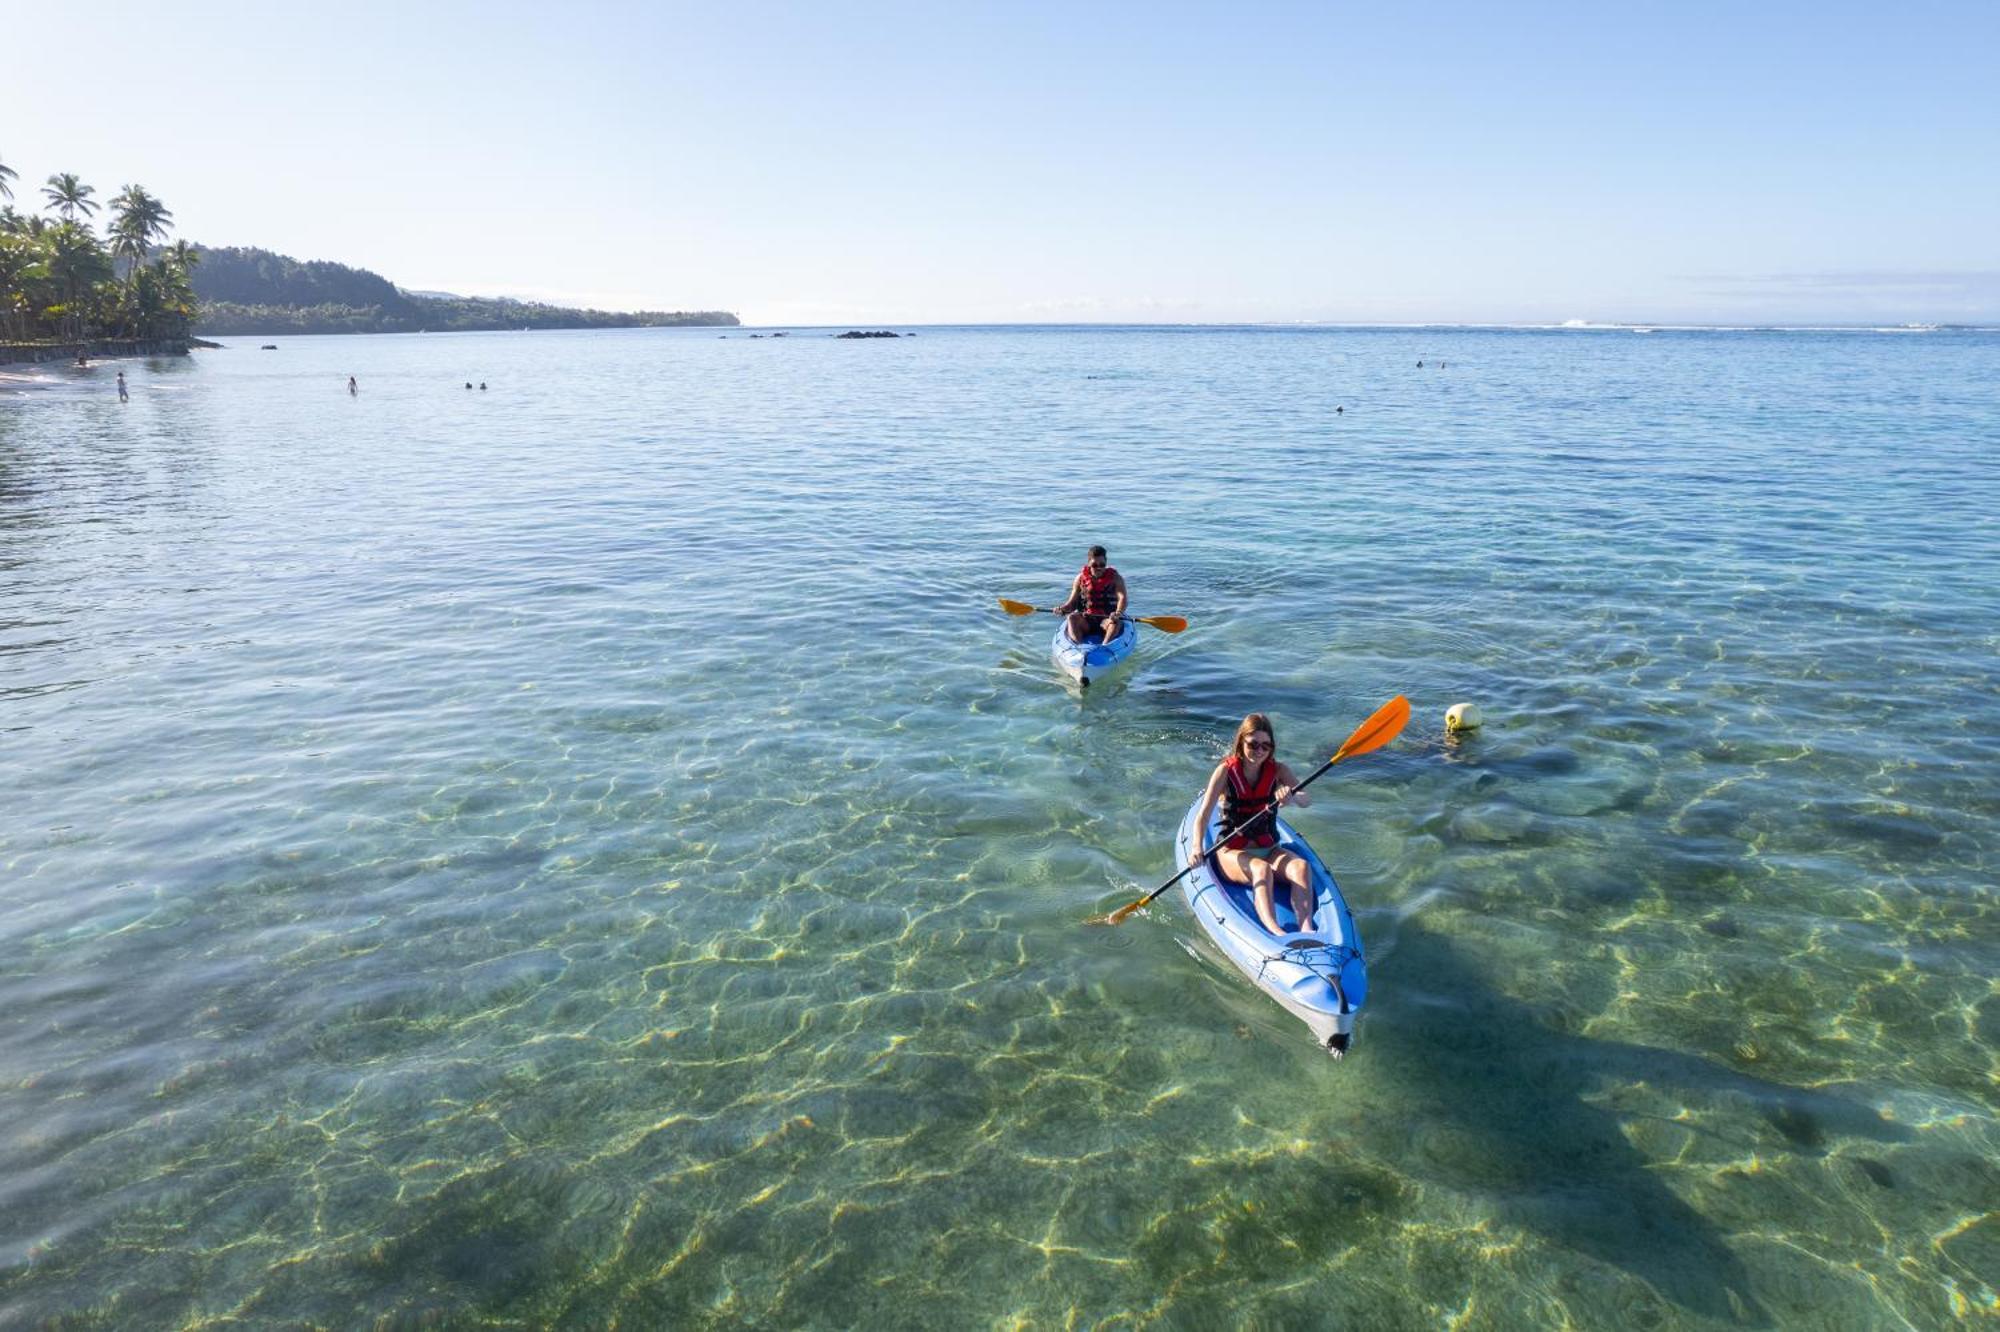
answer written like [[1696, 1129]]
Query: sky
[[848, 162]]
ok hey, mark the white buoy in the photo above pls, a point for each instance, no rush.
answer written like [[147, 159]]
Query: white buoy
[[1462, 717]]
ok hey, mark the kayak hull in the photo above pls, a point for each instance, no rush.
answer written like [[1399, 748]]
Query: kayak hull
[[1085, 662], [1319, 978]]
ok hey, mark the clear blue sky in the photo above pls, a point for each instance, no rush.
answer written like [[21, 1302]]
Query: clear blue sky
[[938, 162]]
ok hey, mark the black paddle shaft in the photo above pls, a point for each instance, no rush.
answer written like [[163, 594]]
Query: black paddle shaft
[[1270, 809]]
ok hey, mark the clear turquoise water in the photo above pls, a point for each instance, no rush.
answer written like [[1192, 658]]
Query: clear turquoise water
[[592, 852]]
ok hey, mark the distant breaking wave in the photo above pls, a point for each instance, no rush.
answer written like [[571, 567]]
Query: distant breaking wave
[[1589, 326]]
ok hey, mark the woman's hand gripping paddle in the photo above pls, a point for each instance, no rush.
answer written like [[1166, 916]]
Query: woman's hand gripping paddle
[[1172, 624], [1377, 731]]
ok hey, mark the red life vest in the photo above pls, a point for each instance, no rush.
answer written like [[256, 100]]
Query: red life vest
[[1100, 590], [1241, 800]]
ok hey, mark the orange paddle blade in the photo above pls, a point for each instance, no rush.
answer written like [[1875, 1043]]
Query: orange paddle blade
[[1172, 624], [1120, 914], [1378, 730], [1016, 607]]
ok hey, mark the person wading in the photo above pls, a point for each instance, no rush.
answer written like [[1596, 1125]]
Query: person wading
[[1096, 602]]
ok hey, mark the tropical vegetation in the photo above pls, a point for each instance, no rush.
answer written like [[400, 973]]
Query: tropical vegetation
[[61, 281]]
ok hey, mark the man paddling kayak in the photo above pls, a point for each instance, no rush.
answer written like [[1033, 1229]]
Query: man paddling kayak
[[1249, 782], [1096, 602]]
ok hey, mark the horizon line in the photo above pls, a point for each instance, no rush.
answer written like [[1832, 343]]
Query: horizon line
[[1565, 326]]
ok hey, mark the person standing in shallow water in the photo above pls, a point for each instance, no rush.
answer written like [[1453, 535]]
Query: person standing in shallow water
[[1247, 783], [1096, 601], [123, 396], [352, 387]]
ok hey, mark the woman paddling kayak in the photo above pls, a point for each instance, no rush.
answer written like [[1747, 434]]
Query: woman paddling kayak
[[1249, 783], [1317, 972]]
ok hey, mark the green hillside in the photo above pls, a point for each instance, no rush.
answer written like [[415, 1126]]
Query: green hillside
[[245, 290]]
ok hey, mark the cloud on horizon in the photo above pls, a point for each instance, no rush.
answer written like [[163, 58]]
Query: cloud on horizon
[[1967, 295], [1962, 282]]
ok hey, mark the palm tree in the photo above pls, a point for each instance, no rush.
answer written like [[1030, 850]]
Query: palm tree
[[22, 224], [7, 173], [21, 267], [77, 260], [141, 220], [69, 196], [178, 302]]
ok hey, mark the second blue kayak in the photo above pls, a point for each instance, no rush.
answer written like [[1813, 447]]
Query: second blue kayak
[[1084, 662]]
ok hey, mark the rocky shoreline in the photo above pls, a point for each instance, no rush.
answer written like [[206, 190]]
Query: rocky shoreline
[[95, 349]]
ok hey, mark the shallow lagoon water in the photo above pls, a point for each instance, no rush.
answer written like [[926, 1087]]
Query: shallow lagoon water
[[592, 852]]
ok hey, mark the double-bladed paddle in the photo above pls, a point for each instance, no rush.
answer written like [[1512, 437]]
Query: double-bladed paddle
[[1377, 731], [1172, 624]]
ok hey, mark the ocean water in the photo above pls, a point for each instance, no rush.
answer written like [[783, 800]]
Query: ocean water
[[591, 852]]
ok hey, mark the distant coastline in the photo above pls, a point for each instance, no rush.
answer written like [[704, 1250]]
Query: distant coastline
[[67, 293], [245, 291]]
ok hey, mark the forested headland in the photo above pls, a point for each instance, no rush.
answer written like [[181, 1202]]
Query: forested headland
[[63, 283], [247, 290]]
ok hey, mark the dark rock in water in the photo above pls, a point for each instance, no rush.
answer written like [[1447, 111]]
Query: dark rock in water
[[1798, 1125], [781, 335], [1550, 759], [856, 333], [1876, 1171], [269, 346]]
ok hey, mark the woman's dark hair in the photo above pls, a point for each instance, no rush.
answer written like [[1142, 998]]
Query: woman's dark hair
[[1252, 724]]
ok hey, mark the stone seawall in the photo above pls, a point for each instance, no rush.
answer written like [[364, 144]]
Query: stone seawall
[[94, 349]]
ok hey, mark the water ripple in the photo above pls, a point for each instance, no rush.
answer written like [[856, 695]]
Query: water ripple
[[596, 853]]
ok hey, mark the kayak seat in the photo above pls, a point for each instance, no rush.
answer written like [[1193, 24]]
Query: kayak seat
[[1240, 893]]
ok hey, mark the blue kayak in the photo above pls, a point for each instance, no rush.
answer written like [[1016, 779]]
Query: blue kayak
[[1084, 662], [1320, 978]]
